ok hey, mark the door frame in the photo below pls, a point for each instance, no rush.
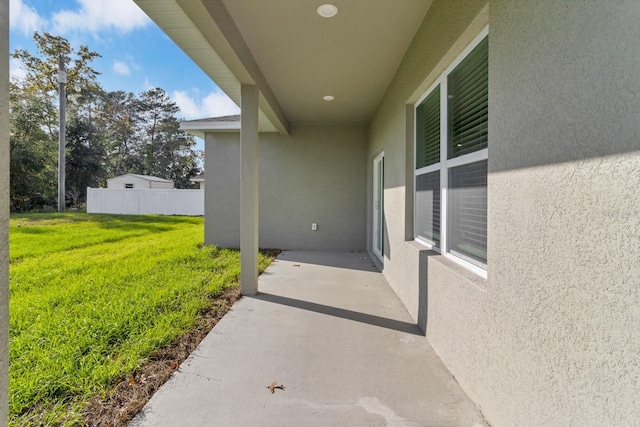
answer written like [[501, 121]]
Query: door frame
[[377, 229]]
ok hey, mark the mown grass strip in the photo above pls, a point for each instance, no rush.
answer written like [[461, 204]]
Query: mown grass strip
[[92, 295]]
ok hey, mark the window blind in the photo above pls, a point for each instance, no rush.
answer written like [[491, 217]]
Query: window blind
[[428, 130], [468, 96], [467, 198], [428, 206]]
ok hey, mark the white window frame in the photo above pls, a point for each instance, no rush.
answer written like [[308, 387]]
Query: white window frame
[[444, 165]]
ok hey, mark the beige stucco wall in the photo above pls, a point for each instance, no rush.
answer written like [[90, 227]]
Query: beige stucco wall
[[553, 336], [314, 175], [4, 210]]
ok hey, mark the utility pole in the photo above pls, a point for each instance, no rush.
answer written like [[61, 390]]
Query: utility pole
[[62, 80]]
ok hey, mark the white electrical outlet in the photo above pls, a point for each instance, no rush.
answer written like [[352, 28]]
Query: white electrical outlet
[[314, 226]]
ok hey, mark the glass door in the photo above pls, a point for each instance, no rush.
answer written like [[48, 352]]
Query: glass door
[[378, 206]]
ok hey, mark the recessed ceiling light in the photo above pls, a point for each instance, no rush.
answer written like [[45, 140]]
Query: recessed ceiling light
[[327, 10], [328, 98]]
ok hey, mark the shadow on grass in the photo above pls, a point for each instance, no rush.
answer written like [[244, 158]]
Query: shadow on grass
[[152, 223], [32, 230], [120, 227]]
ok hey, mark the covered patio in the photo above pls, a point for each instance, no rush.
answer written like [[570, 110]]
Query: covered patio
[[486, 152], [326, 326]]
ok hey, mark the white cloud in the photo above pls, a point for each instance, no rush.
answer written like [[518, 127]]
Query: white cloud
[[122, 15], [219, 104], [121, 68], [16, 69], [188, 107], [24, 17], [213, 105]]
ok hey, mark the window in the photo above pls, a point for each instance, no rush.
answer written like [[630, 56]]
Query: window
[[451, 152], [128, 186]]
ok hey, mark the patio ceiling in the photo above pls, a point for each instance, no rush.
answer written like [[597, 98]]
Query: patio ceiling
[[292, 54]]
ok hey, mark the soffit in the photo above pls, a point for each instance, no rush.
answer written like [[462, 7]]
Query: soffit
[[352, 56], [295, 56], [194, 34]]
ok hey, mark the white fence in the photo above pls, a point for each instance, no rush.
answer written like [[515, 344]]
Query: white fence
[[133, 202]]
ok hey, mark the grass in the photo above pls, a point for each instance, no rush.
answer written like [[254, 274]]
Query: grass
[[91, 296]]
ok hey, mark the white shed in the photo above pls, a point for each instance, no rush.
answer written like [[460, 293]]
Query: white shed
[[199, 179], [139, 182]]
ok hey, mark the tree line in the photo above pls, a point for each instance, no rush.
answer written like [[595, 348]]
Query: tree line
[[107, 133]]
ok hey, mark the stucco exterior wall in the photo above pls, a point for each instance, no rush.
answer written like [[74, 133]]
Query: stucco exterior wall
[[552, 337], [4, 210], [315, 175], [437, 42], [564, 169]]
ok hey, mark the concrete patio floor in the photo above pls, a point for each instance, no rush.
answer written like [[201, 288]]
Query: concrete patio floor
[[328, 327]]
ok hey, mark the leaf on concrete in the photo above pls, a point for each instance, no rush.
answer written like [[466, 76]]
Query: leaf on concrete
[[274, 385]]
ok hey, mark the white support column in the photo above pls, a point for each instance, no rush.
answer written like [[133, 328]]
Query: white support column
[[249, 190], [4, 210]]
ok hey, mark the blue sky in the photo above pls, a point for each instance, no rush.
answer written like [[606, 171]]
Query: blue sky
[[136, 54]]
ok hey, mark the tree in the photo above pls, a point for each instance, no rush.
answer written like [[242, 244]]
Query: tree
[[32, 151], [34, 116], [119, 118], [166, 150], [177, 158], [108, 133], [86, 159], [42, 68]]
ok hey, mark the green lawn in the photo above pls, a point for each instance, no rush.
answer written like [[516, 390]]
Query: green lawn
[[92, 295]]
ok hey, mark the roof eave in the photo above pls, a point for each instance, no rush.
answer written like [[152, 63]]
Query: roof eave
[[210, 37], [199, 127]]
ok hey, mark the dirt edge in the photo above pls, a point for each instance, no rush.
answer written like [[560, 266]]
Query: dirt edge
[[130, 394]]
